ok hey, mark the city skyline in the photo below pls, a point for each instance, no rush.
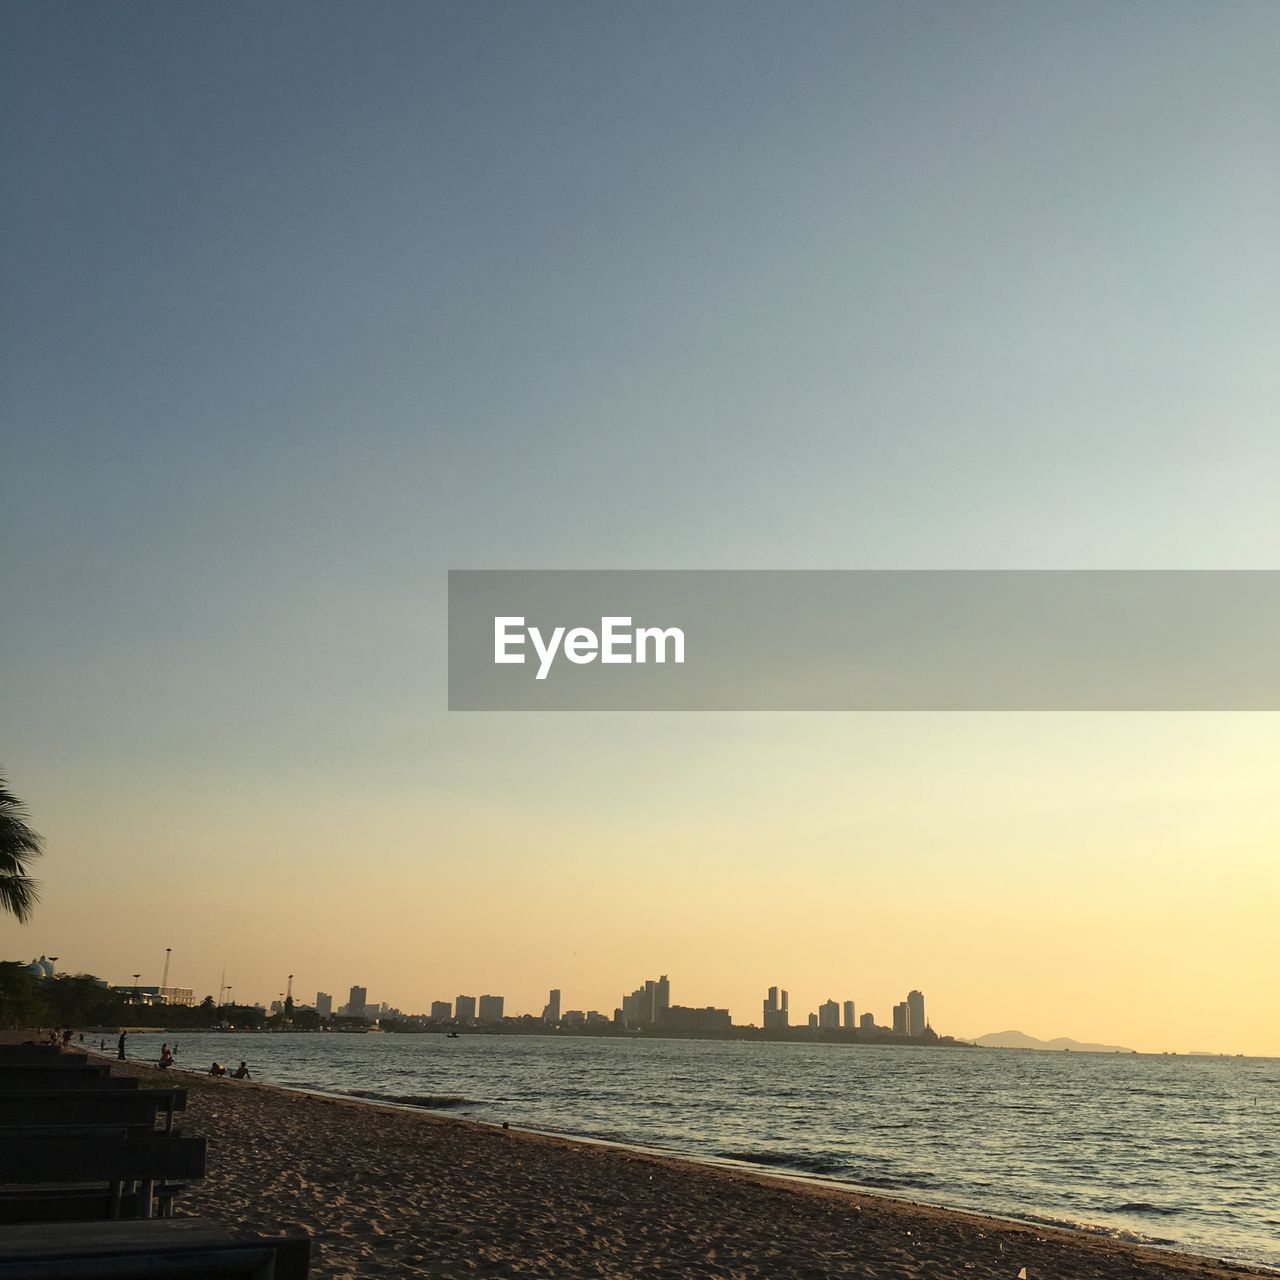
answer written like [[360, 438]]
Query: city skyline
[[643, 1007], [647, 1008]]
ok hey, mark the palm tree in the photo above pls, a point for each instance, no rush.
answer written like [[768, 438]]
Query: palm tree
[[18, 846]]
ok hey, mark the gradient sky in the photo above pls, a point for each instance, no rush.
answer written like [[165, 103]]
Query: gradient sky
[[305, 304]]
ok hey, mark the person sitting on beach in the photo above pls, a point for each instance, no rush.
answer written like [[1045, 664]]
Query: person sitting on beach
[[217, 1069], [241, 1073], [120, 1045], [166, 1058]]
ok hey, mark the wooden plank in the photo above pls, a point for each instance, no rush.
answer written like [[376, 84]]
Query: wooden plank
[[51, 1061], [100, 1159], [79, 1204], [33, 1080], [90, 1106], [35, 1053], [172, 1248], [94, 1237]]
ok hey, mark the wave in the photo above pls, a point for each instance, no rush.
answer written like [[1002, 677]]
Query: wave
[[822, 1165], [429, 1101], [1141, 1206]]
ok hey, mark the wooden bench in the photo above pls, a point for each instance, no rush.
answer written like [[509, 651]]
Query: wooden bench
[[35, 1053], [38, 1080], [50, 1062], [42, 1163], [91, 1106], [169, 1249]]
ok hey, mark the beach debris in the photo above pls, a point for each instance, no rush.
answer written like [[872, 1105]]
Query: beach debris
[[1022, 1274]]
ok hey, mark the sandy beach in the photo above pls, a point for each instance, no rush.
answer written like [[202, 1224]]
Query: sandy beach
[[393, 1192]]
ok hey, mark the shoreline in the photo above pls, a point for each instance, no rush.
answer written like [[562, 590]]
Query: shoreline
[[421, 1171]]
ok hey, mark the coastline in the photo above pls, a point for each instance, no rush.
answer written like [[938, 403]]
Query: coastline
[[391, 1190]]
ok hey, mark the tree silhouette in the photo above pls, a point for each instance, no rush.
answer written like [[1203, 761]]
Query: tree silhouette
[[19, 846]]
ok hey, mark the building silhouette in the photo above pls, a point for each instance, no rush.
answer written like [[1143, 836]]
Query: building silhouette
[[441, 1010], [776, 1014], [678, 1018], [551, 1010], [356, 1001], [916, 1023], [900, 1019], [867, 1022], [491, 1008], [646, 1005], [829, 1016], [464, 1009], [324, 1004], [849, 1022]]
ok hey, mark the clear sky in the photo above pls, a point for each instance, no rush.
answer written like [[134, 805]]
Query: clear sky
[[306, 303]]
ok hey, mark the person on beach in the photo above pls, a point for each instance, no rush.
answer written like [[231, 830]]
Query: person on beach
[[120, 1046], [166, 1058], [241, 1073], [217, 1069]]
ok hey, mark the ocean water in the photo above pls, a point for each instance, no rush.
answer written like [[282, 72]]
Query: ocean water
[[1179, 1151]]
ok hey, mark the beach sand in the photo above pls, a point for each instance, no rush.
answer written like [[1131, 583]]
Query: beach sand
[[393, 1192]]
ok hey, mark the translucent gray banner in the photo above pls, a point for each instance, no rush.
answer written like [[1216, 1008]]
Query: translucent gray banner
[[760, 640]]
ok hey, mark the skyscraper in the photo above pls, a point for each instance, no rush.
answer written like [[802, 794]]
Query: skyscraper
[[829, 1016], [867, 1022], [324, 1004], [441, 1010], [356, 1002], [551, 1011], [849, 1015], [915, 1014], [645, 1006], [776, 1015], [491, 1008], [900, 1019], [464, 1008]]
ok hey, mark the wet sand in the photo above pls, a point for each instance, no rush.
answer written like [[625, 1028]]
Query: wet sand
[[390, 1192]]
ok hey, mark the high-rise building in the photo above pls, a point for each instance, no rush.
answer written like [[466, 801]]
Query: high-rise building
[[813, 1022], [829, 1016], [645, 1006], [848, 1015], [464, 1008], [867, 1022], [915, 1014], [776, 1014], [551, 1011], [356, 1002], [441, 1010], [900, 1019], [491, 1008], [324, 1004], [678, 1018]]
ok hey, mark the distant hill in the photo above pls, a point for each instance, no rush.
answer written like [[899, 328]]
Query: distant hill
[[1020, 1040]]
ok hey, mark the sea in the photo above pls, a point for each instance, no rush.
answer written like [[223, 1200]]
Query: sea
[[1170, 1150]]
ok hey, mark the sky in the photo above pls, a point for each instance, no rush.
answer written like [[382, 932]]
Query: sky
[[306, 304]]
